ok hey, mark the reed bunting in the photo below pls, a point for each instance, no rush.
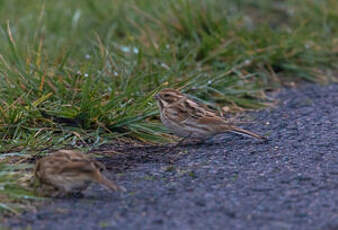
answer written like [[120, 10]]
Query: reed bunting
[[69, 172], [189, 119]]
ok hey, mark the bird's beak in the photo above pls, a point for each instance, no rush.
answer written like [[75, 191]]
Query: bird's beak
[[156, 96]]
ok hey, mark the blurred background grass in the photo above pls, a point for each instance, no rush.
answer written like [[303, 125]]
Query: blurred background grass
[[83, 73]]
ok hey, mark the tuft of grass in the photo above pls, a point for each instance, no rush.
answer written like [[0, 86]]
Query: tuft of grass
[[84, 73], [14, 197]]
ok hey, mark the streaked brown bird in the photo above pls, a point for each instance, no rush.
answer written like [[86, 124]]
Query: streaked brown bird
[[69, 172], [189, 119]]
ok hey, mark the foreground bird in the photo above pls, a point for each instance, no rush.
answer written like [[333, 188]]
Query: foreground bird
[[69, 172], [189, 119]]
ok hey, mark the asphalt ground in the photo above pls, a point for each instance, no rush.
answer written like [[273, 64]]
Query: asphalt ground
[[232, 182]]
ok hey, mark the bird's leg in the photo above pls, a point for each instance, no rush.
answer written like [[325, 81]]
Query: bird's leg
[[178, 143], [205, 141], [170, 149], [78, 194], [182, 141], [58, 194]]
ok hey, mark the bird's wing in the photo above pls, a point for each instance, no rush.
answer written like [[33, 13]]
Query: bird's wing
[[199, 112]]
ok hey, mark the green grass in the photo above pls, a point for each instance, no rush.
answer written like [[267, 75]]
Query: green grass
[[13, 196], [83, 73]]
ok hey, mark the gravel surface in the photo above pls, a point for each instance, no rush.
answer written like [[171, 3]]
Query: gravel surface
[[233, 182]]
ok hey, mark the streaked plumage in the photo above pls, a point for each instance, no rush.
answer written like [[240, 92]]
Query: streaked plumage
[[68, 171], [189, 119]]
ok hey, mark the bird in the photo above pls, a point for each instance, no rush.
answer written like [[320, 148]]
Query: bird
[[190, 119], [68, 172]]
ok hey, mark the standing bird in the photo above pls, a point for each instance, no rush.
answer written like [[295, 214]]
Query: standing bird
[[69, 172], [189, 119]]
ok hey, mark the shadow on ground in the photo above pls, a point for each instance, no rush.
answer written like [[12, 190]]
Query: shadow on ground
[[232, 183]]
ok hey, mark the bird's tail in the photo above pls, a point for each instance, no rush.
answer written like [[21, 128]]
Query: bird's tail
[[246, 132], [101, 179]]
